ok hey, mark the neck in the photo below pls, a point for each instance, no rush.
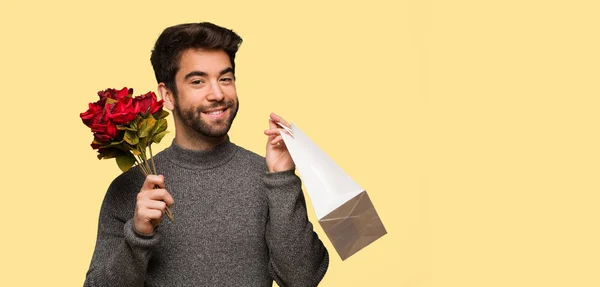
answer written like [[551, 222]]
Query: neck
[[200, 159]]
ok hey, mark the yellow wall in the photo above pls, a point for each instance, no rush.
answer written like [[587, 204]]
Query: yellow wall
[[473, 125]]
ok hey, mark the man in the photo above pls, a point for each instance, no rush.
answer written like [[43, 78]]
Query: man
[[240, 218]]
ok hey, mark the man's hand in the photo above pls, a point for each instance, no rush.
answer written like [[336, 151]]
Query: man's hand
[[151, 204], [278, 157]]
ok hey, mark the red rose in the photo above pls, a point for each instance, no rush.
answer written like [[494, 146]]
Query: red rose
[[147, 102], [121, 112], [95, 145], [94, 112], [104, 130], [113, 94]]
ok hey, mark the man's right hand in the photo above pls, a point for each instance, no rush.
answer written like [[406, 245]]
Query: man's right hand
[[151, 204]]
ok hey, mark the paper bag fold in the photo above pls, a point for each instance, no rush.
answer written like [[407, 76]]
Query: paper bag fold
[[353, 225]]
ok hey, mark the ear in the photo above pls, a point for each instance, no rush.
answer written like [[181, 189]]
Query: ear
[[167, 96]]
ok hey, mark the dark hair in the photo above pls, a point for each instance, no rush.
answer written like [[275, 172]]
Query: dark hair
[[174, 40]]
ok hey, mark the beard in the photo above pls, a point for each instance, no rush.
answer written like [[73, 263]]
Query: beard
[[192, 119]]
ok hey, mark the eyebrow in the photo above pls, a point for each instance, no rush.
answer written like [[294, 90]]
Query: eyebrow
[[204, 74]]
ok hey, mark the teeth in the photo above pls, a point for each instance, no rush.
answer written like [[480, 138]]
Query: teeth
[[215, 113]]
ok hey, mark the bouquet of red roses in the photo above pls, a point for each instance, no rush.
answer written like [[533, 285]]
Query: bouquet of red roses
[[125, 126]]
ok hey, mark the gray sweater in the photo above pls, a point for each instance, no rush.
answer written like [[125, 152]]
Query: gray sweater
[[235, 225]]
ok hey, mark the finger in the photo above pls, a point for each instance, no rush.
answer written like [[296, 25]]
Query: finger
[[158, 194], [154, 180], [273, 131], [276, 132], [269, 145], [153, 214], [154, 204], [272, 124], [279, 119], [277, 140], [149, 213], [168, 199]]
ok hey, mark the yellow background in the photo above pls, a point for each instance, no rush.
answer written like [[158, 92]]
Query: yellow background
[[473, 125]]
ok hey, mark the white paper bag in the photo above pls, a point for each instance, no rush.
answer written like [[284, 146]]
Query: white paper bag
[[343, 208]]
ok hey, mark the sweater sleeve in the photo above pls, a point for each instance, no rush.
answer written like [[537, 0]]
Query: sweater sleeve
[[121, 254], [297, 255]]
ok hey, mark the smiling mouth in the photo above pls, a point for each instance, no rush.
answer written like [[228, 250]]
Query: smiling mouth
[[216, 113]]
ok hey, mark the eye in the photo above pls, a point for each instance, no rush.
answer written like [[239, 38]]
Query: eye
[[226, 80], [197, 82]]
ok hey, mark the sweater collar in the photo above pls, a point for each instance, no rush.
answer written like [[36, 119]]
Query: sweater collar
[[201, 159]]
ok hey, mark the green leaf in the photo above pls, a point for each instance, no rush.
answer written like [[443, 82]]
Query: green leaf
[[145, 126], [161, 125], [140, 122], [131, 126], [131, 149], [128, 128], [143, 143], [161, 115], [135, 121], [115, 143], [125, 161], [131, 137], [108, 153], [158, 137]]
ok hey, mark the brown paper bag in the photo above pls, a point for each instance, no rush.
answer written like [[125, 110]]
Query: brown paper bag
[[343, 208]]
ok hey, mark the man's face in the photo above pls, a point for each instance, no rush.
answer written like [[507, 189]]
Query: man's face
[[206, 100]]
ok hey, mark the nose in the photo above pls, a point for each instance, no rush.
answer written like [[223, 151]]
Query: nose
[[216, 94]]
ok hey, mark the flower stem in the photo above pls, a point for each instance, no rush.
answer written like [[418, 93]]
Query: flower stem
[[142, 165], [147, 170], [152, 158]]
